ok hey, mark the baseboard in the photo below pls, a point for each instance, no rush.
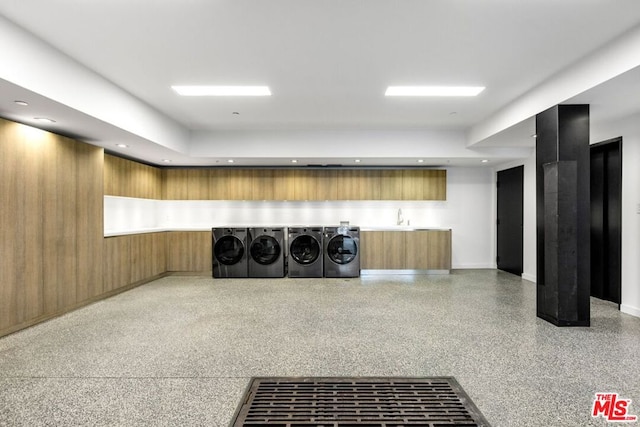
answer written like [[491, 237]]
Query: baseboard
[[189, 273], [478, 266], [103, 296], [633, 311], [529, 277]]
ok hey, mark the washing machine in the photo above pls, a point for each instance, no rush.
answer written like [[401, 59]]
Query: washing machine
[[341, 251], [230, 252], [266, 252], [305, 251]]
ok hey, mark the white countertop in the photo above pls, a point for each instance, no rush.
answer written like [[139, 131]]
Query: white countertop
[[113, 233]]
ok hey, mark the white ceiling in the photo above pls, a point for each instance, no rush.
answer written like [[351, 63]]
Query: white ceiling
[[327, 63]]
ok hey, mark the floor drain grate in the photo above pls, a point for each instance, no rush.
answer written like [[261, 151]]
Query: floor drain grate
[[344, 402]]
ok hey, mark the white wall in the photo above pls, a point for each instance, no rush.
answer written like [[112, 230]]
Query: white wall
[[629, 129], [467, 211]]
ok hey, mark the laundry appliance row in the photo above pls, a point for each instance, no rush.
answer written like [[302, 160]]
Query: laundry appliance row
[[301, 251]]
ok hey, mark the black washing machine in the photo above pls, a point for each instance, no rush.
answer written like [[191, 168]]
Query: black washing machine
[[266, 252], [305, 251], [341, 251], [230, 252]]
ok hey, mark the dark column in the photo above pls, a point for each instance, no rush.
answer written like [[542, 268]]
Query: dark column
[[563, 212]]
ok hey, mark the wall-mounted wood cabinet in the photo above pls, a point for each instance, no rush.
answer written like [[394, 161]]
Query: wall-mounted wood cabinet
[[406, 250], [304, 184]]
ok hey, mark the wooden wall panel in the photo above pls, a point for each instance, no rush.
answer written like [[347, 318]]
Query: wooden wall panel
[[133, 258], [59, 231], [188, 251], [127, 178], [89, 222], [240, 184], [10, 210], [51, 210]]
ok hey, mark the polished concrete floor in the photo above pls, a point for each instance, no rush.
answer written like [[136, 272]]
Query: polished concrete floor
[[180, 351]]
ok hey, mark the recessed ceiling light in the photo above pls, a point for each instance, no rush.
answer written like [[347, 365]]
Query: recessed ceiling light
[[433, 90], [166, 160], [44, 119], [420, 161], [122, 145], [294, 161], [485, 161], [236, 113], [222, 90], [357, 160], [230, 161], [23, 103], [534, 136]]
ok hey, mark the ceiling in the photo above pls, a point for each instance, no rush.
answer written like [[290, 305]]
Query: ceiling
[[327, 64]]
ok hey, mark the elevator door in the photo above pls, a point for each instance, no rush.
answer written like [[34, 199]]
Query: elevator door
[[606, 219], [509, 221]]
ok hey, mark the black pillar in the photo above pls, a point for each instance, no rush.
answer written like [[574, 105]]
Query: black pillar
[[563, 215]]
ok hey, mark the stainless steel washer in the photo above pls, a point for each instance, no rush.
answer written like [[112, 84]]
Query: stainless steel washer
[[305, 251], [266, 252], [229, 252], [342, 251]]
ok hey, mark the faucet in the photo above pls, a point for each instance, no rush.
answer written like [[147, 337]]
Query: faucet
[[400, 218]]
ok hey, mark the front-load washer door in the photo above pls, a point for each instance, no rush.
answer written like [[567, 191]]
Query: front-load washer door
[[265, 250], [342, 249], [305, 249], [228, 250]]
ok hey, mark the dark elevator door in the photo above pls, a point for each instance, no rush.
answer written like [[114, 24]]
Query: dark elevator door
[[606, 219], [509, 221]]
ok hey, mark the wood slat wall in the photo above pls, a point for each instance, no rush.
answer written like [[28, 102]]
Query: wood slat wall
[[51, 203], [303, 184]]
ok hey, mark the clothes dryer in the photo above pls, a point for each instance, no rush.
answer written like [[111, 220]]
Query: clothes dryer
[[342, 251], [305, 251], [229, 252], [266, 252]]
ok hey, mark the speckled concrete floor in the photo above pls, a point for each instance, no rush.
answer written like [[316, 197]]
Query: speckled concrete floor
[[180, 351]]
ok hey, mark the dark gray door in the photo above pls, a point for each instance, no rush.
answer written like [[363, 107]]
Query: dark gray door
[[606, 219], [509, 221]]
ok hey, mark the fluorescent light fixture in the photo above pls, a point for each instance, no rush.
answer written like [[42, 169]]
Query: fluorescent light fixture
[[222, 90], [433, 90]]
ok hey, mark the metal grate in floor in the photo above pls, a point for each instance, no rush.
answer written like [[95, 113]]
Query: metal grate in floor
[[364, 401]]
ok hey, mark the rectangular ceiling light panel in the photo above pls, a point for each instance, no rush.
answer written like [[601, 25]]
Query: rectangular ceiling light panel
[[222, 90], [433, 90]]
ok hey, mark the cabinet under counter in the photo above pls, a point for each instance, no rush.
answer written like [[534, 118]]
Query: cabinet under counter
[[407, 251]]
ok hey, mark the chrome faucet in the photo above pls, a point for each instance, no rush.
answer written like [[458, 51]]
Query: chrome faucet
[[400, 217]]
